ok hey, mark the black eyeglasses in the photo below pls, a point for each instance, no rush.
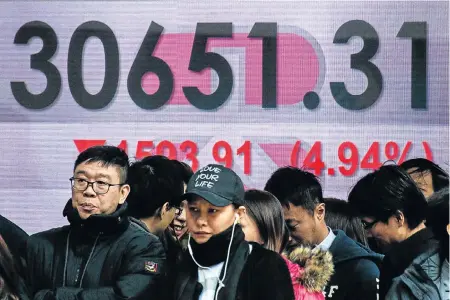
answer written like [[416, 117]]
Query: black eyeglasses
[[369, 225], [99, 187]]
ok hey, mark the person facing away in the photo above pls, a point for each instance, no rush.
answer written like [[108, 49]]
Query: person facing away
[[156, 190], [220, 264], [102, 254], [263, 223], [427, 277], [340, 216], [12, 286], [393, 211], [427, 175], [356, 268]]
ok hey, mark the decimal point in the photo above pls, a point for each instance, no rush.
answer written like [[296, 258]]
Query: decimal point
[[331, 171], [311, 100]]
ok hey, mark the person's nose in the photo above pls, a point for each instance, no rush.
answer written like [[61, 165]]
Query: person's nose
[[89, 192]]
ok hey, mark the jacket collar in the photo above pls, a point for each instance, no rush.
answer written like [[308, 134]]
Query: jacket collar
[[402, 254], [97, 224]]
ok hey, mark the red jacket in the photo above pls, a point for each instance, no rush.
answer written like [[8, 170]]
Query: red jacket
[[310, 271]]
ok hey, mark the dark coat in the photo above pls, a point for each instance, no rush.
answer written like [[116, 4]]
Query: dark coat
[[401, 255], [356, 270], [265, 276], [102, 257]]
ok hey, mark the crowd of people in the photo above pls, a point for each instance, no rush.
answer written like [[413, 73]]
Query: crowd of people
[[154, 229]]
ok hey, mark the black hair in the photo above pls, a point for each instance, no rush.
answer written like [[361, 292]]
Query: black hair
[[184, 169], [267, 213], [438, 218], [153, 181], [9, 275], [422, 166], [107, 156], [339, 215], [297, 187], [386, 191]]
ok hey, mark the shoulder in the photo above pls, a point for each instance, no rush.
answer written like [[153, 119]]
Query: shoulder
[[366, 267], [261, 258], [139, 237], [49, 235]]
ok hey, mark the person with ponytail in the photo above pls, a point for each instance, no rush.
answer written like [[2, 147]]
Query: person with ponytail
[[220, 264], [263, 222]]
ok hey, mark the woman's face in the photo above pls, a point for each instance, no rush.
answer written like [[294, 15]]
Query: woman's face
[[205, 220]]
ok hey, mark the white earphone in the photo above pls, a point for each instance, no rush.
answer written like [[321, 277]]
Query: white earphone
[[236, 218]]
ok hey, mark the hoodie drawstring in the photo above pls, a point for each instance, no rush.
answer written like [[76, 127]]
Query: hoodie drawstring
[[87, 262]]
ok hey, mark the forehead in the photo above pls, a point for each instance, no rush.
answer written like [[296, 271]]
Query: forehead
[[295, 213], [201, 202], [97, 169]]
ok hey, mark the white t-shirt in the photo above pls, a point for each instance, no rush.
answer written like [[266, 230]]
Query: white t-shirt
[[209, 278]]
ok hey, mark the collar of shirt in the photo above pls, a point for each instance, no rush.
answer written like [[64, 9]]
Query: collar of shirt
[[326, 243]]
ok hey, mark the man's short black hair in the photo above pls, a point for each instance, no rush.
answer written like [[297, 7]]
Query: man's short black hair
[[108, 156], [153, 181], [384, 192], [297, 187], [185, 170], [421, 165]]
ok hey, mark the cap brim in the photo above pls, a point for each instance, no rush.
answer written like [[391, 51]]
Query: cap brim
[[212, 198]]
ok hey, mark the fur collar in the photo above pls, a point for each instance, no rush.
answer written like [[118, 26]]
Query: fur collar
[[316, 267]]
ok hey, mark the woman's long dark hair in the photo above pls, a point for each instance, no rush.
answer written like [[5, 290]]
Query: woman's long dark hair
[[339, 215], [265, 209], [9, 277]]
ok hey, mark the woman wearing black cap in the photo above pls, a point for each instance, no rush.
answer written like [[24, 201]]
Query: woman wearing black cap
[[220, 264]]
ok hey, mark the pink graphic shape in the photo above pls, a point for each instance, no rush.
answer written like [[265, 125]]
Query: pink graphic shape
[[297, 66]]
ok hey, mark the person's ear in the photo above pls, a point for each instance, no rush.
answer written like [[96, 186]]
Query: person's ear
[[319, 211], [400, 218], [165, 209], [124, 192], [448, 229], [241, 214]]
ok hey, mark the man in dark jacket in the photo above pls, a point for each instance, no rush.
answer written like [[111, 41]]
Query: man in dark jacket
[[102, 254], [356, 267], [393, 211]]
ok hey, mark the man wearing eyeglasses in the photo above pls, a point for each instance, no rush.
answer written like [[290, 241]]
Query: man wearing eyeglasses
[[102, 254], [393, 212]]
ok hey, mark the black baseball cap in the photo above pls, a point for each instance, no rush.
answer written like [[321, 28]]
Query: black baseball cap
[[217, 184]]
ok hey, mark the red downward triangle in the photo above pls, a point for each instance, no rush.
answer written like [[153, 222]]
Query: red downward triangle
[[280, 154], [85, 144]]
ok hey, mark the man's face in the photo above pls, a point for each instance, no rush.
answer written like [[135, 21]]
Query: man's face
[[385, 234], [88, 202], [302, 225], [423, 180]]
